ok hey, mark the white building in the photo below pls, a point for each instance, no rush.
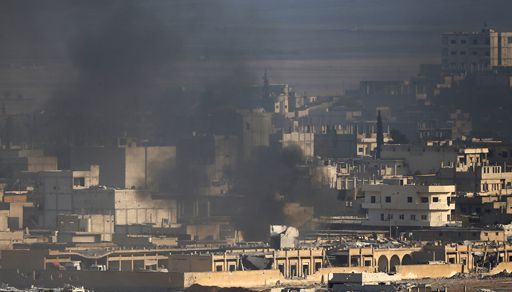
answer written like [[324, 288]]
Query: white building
[[408, 205]]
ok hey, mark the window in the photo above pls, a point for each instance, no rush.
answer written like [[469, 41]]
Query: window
[[463, 42], [424, 199], [372, 199], [232, 268], [281, 268], [463, 53], [402, 216], [390, 216], [293, 271], [413, 217], [409, 199], [305, 270], [318, 266], [435, 199], [453, 53], [475, 42], [509, 40], [382, 217], [453, 42], [218, 268], [423, 217], [388, 199], [79, 181], [448, 217]]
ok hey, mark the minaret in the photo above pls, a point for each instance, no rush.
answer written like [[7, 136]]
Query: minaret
[[266, 86]]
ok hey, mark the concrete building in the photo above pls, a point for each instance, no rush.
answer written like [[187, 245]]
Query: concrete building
[[94, 223], [305, 141], [421, 159], [383, 88], [449, 235], [292, 263], [126, 167], [77, 192], [16, 160], [406, 205], [484, 210], [209, 159], [334, 145], [476, 51], [473, 173], [256, 131], [127, 206]]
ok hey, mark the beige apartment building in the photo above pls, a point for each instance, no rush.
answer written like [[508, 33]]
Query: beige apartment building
[[407, 205]]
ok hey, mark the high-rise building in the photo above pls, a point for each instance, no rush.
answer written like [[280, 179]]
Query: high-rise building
[[476, 51]]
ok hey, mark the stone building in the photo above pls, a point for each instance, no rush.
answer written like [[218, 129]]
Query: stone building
[[402, 204]]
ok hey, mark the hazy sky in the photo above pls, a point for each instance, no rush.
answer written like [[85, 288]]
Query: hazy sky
[[318, 46]]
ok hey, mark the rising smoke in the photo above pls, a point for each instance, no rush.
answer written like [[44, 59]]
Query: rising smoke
[[128, 64]]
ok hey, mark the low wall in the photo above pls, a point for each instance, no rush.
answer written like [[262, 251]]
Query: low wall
[[324, 274], [429, 271], [507, 267], [246, 279], [376, 278]]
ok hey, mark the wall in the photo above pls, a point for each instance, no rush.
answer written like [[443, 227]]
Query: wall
[[23, 260], [188, 263], [203, 231], [304, 140], [256, 130], [98, 281], [420, 160], [324, 274], [7, 238], [110, 159], [138, 207], [504, 266], [148, 163], [429, 271], [247, 279]]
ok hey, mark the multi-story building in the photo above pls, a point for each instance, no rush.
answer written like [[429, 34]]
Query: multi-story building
[[256, 131], [476, 51], [421, 159], [77, 192], [302, 139], [126, 166], [402, 204], [13, 161]]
